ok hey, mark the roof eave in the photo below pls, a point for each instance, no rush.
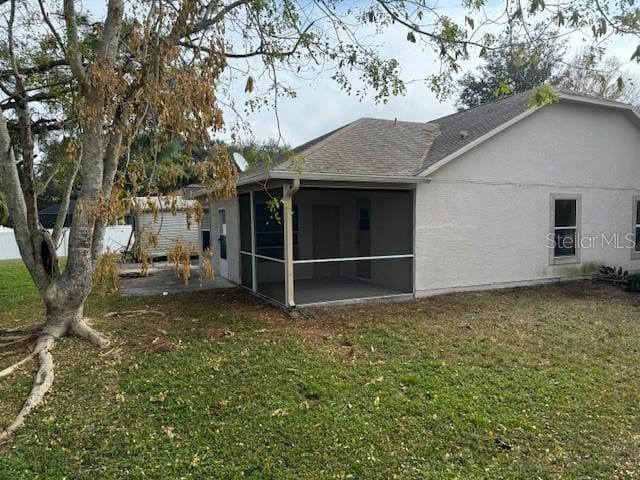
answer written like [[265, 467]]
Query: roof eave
[[335, 177]]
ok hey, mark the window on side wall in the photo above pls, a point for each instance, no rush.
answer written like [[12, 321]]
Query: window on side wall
[[565, 228], [635, 252]]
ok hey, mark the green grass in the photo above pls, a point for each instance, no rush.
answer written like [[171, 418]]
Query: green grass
[[530, 383]]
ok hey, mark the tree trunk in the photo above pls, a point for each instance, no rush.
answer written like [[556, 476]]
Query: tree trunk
[[66, 317]]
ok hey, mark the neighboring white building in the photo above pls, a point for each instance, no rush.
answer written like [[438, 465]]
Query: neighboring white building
[[116, 239], [159, 222], [495, 196]]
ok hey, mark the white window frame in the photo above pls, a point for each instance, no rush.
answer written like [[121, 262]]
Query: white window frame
[[635, 254], [564, 260]]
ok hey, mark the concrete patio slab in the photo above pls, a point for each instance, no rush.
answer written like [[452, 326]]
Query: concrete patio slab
[[162, 280]]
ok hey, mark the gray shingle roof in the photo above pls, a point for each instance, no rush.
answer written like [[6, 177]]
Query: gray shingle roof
[[367, 146], [474, 122], [388, 148], [371, 146]]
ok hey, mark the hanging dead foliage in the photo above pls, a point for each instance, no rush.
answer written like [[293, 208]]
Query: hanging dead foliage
[[106, 276]]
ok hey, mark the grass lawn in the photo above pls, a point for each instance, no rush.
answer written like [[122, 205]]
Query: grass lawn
[[530, 383]]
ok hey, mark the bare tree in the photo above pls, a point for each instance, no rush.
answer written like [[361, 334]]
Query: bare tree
[[591, 73]]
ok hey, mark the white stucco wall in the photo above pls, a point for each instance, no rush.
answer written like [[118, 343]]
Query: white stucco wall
[[483, 221]]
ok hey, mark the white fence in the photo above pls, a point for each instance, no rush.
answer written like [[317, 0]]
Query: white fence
[[115, 239]]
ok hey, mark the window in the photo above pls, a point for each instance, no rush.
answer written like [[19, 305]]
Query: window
[[222, 223], [565, 217], [635, 253], [206, 239]]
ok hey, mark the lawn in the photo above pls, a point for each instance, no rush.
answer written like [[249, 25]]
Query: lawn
[[529, 383]]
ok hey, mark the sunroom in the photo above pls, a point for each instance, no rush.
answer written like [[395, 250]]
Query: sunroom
[[316, 243]]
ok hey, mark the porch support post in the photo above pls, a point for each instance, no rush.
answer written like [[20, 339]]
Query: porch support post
[[288, 193], [254, 274]]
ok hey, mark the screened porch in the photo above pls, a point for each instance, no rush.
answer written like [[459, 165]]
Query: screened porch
[[315, 245]]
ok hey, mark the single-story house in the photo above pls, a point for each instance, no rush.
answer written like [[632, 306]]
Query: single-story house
[[499, 195]]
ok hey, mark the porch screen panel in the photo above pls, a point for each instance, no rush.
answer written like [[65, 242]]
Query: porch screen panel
[[352, 243], [269, 243], [246, 267], [269, 226]]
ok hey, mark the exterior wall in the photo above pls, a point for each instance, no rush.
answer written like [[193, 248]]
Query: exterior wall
[[484, 219], [168, 227], [233, 236]]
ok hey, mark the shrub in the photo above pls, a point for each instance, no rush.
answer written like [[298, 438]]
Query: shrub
[[613, 274], [633, 283]]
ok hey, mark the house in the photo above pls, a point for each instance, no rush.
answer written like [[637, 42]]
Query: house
[[48, 215], [159, 222], [500, 195]]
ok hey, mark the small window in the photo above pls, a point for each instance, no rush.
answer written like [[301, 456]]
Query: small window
[[222, 238], [206, 239], [565, 217]]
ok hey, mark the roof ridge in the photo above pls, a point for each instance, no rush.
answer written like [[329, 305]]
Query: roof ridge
[[423, 158], [493, 102], [395, 120]]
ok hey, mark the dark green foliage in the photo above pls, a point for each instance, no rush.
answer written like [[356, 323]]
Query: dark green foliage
[[618, 276], [263, 154], [632, 283], [518, 65], [613, 273]]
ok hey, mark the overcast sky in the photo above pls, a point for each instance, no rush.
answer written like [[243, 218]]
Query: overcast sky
[[320, 106]]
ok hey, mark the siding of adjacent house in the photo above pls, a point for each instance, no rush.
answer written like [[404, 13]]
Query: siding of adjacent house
[[169, 228], [483, 221]]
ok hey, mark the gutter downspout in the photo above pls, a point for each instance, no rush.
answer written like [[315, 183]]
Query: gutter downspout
[[288, 193]]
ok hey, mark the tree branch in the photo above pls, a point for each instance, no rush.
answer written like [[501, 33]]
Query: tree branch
[[73, 51], [45, 67], [10, 183], [217, 18], [64, 204], [112, 27], [54, 32]]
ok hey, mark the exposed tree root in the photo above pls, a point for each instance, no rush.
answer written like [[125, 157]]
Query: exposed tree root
[[11, 337], [41, 384], [35, 328], [83, 330], [45, 372], [9, 370], [17, 340], [134, 313]]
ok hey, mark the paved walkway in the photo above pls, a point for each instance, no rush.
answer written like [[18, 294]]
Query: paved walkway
[[162, 280]]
